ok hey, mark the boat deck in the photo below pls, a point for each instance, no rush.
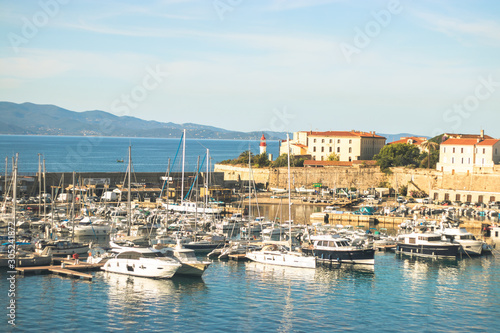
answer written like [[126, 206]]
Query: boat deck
[[68, 267]]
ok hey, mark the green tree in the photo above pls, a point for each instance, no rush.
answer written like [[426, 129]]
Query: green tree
[[333, 157], [398, 154], [432, 148], [282, 161], [261, 160]]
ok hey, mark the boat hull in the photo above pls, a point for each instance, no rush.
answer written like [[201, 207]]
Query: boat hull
[[282, 259], [450, 251], [192, 269], [344, 256], [145, 268]]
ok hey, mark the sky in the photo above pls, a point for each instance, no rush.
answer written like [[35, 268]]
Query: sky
[[421, 67]]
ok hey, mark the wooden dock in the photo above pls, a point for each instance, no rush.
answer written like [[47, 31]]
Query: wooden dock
[[238, 257], [68, 267]]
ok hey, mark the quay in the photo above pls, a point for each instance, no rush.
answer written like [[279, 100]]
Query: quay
[[68, 267]]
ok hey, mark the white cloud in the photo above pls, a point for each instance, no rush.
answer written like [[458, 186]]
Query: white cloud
[[482, 30], [279, 5]]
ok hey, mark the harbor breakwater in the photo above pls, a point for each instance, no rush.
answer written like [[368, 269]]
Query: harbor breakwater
[[364, 177]]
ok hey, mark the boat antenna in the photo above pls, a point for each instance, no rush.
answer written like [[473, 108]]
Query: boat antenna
[[129, 208], [183, 161]]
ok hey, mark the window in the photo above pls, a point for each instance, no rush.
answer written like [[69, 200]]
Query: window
[[322, 149], [331, 149], [350, 149], [314, 149], [330, 140], [322, 140], [468, 160], [338, 149], [452, 160], [496, 151], [457, 197], [461, 150], [484, 150], [338, 140], [350, 141], [444, 149], [453, 151], [314, 141], [462, 160]]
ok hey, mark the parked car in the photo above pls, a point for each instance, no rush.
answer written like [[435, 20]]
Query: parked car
[[445, 203]]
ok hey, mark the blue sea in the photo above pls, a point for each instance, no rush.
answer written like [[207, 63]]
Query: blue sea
[[399, 294], [98, 154]]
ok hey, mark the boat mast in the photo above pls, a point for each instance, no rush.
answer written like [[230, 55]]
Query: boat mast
[[183, 160], [73, 209], [196, 198], [168, 193], [14, 201], [249, 188], [206, 182], [289, 196], [44, 197], [129, 208], [6, 173], [39, 184]]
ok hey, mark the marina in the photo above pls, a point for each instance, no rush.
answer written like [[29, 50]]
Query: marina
[[306, 256]]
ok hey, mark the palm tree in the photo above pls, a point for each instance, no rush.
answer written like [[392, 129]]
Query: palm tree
[[428, 145]]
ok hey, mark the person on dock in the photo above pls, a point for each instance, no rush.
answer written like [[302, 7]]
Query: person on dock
[[75, 256]]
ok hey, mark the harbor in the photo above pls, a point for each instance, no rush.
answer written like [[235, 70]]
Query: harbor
[[111, 223]]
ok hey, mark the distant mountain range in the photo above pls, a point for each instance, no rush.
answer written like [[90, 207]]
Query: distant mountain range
[[36, 119]]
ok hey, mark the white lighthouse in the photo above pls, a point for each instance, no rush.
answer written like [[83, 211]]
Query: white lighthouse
[[263, 144]]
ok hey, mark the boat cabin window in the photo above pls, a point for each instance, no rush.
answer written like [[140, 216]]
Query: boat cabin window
[[152, 255], [138, 255], [430, 239]]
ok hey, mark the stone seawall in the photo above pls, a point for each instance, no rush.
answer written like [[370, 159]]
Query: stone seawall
[[362, 177]]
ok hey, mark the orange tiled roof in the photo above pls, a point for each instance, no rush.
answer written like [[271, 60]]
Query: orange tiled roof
[[416, 140], [327, 163], [460, 142], [488, 142], [300, 145], [466, 136], [338, 163], [346, 133]]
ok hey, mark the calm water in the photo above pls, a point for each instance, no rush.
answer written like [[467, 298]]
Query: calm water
[[399, 295], [87, 154]]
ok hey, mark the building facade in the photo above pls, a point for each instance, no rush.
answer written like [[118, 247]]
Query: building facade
[[346, 145], [469, 154]]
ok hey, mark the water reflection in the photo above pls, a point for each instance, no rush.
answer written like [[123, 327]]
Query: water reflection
[[279, 211]]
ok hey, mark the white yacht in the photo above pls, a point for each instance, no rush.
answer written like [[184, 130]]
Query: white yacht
[[280, 255], [192, 207], [191, 265], [468, 243], [145, 262], [426, 245], [87, 227]]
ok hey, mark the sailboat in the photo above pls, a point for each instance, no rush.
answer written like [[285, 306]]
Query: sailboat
[[280, 254], [10, 255]]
